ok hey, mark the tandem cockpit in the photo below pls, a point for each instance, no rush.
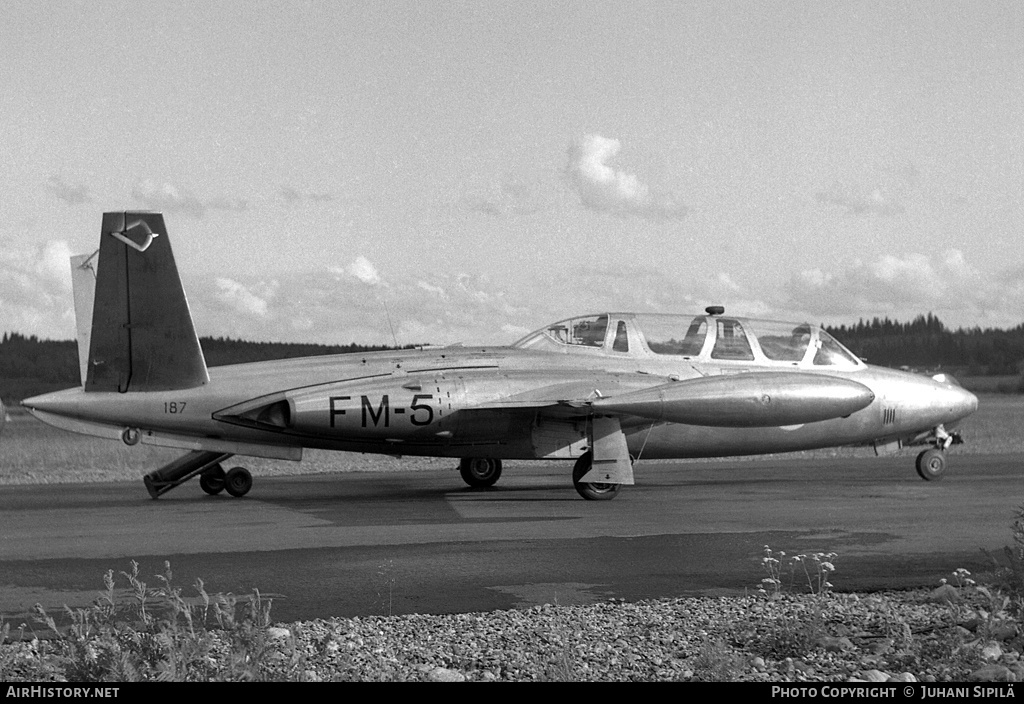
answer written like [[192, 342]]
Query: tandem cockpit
[[710, 338]]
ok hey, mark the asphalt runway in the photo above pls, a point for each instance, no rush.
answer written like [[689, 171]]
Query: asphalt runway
[[401, 542]]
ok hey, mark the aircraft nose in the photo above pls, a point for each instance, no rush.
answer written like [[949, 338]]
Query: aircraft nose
[[960, 401], [968, 402]]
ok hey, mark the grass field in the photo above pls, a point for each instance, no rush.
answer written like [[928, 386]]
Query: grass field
[[34, 453]]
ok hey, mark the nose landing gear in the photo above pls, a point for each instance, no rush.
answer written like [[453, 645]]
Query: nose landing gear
[[931, 463]]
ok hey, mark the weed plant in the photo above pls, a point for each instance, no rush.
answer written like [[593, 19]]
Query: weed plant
[[802, 627], [141, 633]]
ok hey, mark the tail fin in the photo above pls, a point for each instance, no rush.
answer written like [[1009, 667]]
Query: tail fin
[[142, 337]]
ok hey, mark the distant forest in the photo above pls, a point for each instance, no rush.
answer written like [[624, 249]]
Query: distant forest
[[927, 344], [30, 366]]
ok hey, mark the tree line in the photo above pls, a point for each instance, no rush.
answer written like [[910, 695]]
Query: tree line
[[30, 366], [926, 343]]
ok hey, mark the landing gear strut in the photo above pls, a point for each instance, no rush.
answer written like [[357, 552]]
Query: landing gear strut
[[479, 472], [931, 463]]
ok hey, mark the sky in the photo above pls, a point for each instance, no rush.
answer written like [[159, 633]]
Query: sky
[[446, 171]]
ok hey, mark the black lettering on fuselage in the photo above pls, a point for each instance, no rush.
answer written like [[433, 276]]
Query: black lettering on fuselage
[[339, 411], [383, 409], [417, 407]]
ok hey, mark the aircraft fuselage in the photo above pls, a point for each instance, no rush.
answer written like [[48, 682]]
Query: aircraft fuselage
[[458, 402]]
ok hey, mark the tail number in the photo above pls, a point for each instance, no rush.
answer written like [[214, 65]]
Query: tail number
[[374, 415], [174, 407]]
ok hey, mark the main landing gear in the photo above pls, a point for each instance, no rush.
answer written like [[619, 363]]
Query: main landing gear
[[480, 472], [237, 481], [931, 463], [592, 491]]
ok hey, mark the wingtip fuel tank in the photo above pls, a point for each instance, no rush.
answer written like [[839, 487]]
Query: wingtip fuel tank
[[750, 400]]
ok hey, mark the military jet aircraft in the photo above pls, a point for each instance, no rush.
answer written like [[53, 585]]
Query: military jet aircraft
[[600, 390]]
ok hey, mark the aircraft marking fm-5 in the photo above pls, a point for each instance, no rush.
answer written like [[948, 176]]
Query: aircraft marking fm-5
[[599, 390]]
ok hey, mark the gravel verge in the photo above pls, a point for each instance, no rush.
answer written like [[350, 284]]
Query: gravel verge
[[918, 636], [902, 636]]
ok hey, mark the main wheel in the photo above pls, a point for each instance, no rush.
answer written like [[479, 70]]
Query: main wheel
[[480, 472], [592, 491], [213, 479], [238, 481], [931, 464]]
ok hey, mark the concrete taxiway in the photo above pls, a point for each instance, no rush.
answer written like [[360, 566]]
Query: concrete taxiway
[[400, 542]]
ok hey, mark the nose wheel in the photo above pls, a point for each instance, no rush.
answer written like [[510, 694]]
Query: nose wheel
[[931, 464]]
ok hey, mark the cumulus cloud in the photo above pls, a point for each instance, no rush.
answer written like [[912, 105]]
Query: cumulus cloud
[[364, 270], [883, 194], [170, 198], [431, 288], [333, 307], [605, 189], [240, 298], [35, 289], [913, 279], [71, 194], [906, 285]]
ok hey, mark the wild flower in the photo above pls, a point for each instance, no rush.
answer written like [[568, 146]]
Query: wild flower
[[771, 585], [816, 569], [963, 578]]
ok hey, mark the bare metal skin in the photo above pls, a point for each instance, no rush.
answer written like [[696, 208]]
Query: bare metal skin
[[602, 390]]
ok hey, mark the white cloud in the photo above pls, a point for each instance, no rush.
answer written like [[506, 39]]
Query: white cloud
[[326, 308], [35, 290], [605, 189], [72, 194], [364, 270], [904, 286], [431, 288], [726, 281], [240, 298], [170, 198], [912, 278]]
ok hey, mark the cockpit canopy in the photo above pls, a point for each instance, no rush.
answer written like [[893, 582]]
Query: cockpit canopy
[[705, 338]]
